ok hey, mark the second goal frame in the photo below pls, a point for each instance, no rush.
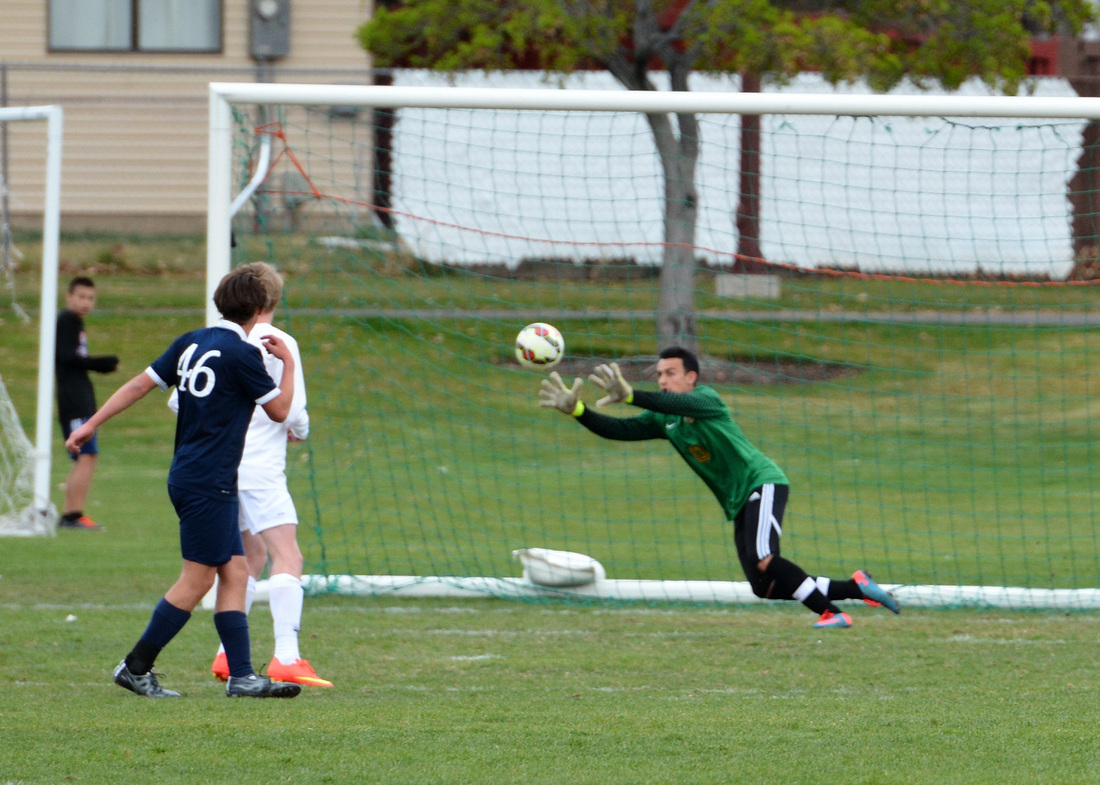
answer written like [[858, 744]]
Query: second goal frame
[[51, 227]]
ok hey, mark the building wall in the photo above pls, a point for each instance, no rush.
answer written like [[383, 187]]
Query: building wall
[[135, 127]]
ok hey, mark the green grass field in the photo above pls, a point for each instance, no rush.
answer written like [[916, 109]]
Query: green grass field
[[487, 691]]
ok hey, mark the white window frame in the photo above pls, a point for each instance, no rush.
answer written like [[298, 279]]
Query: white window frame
[[127, 12]]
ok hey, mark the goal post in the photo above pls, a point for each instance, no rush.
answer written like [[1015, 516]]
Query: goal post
[[921, 370], [20, 515]]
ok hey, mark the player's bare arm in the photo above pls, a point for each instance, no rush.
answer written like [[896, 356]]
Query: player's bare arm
[[278, 408], [123, 398], [278, 348]]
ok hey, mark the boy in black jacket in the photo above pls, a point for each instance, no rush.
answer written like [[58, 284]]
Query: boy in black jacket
[[75, 397]]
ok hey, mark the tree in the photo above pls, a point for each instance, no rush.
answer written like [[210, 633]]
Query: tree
[[883, 41], [1080, 61]]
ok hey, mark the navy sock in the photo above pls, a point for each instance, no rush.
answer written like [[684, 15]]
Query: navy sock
[[167, 620], [232, 628]]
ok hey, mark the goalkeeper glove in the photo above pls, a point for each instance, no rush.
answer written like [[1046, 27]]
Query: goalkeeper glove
[[610, 378], [555, 394]]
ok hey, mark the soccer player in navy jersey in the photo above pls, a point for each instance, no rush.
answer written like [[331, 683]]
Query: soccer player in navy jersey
[[220, 378], [749, 486], [268, 518]]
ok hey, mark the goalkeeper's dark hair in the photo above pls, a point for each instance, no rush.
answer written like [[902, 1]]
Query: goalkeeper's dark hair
[[81, 280], [691, 362], [241, 294]]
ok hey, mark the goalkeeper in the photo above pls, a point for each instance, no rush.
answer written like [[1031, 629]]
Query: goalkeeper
[[750, 487]]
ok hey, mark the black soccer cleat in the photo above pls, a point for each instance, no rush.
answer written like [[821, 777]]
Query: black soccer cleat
[[254, 686], [144, 684]]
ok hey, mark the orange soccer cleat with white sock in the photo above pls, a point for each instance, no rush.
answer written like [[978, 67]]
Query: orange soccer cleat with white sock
[[220, 668], [299, 672]]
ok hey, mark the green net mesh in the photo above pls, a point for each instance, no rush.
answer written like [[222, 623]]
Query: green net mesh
[[917, 358]]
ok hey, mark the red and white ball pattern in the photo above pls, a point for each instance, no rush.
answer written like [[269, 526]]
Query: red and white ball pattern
[[539, 346]]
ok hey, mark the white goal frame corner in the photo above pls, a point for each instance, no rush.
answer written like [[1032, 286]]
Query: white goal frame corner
[[41, 518]]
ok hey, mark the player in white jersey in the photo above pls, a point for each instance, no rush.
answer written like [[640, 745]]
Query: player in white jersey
[[268, 519]]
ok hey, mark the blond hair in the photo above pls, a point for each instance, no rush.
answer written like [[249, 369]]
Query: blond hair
[[273, 284]]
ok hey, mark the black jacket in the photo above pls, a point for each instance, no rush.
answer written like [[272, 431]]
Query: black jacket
[[75, 397]]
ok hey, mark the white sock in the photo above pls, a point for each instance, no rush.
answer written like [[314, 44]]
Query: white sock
[[805, 589], [249, 595], [286, 613]]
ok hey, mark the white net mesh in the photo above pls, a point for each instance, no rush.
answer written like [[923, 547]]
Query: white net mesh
[[18, 516]]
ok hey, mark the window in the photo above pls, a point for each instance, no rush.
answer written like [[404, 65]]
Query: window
[[136, 25]]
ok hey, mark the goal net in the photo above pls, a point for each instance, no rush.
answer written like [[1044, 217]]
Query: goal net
[[19, 516], [25, 508], [917, 356]]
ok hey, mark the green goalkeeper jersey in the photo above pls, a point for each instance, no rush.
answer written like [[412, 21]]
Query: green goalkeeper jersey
[[700, 427]]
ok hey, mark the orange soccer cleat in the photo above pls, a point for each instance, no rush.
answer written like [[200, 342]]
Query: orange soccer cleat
[[829, 619], [873, 594], [83, 522], [220, 668], [299, 672]]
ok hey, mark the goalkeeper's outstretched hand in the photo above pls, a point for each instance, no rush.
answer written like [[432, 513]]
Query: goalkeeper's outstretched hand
[[610, 378], [555, 394]]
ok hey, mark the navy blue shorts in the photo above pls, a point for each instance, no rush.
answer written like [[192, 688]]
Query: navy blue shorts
[[210, 533], [90, 447]]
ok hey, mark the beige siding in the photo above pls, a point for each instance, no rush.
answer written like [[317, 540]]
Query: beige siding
[[325, 37], [135, 139], [23, 33]]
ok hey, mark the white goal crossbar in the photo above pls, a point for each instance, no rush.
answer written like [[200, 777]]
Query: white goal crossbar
[[51, 227]]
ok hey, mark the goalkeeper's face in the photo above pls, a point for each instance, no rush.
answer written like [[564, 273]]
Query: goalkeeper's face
[[671, 376]]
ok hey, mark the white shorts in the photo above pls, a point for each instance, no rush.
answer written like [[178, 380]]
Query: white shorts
[[267, 508]]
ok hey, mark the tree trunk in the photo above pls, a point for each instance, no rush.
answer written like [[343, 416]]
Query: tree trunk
[[749, 256], [678, 151], [385, 119], [676, 303], [1084, 200], [1081, 65], [1084, 186]]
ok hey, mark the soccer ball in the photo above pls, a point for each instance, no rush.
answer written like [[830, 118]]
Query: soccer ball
[[539, 346]]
